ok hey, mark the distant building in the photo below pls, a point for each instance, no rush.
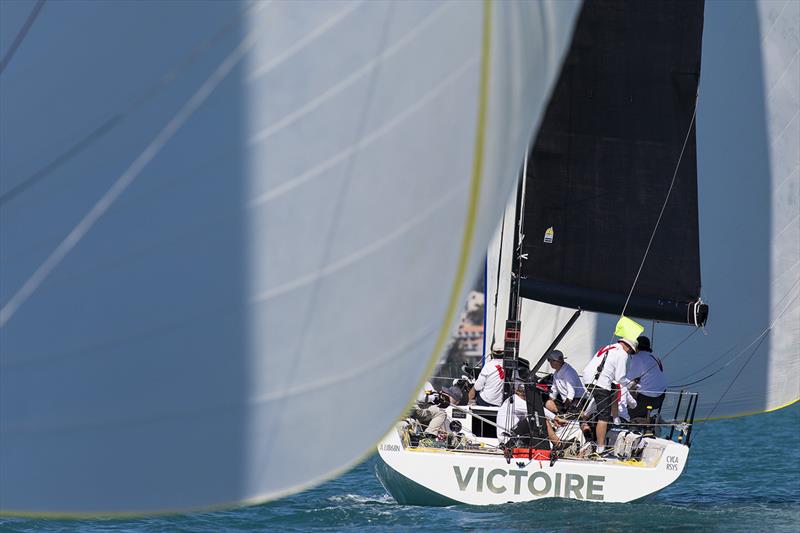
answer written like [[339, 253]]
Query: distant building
[[467, 342]]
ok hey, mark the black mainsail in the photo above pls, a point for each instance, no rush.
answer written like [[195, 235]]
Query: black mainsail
[[603, 162]]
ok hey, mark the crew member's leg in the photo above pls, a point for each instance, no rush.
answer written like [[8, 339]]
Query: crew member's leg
[[550, 405], [603, 399], [438, 416]]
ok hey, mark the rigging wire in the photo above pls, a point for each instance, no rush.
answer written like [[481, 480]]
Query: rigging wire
[[592, 386], [759, 339], [726, 352], [23, 31], [755, 351], [663, 207], [686, 338]]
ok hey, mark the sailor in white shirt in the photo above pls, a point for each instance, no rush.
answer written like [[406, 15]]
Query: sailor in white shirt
[[614, 359], [510, 413], [489, 385], [647, 369], [515, 408], [627, 404], [567, 387]]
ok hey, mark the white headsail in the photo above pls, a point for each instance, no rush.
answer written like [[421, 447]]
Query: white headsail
[[234, 234]]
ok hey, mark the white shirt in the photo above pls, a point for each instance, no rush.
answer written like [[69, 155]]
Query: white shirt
[[566, 383], [626, 401], [613, 370], [644, 364], [508, 416], [490, 381]]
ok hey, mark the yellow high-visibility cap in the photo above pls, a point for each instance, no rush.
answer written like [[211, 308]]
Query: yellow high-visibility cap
[[628, 329]]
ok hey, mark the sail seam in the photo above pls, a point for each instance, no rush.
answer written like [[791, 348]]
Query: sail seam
[[365, 141], [347, 81], [774, 22], [778, 81], [23, 32], [129, 176], [307, 39]]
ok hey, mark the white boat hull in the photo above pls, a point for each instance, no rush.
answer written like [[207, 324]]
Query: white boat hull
[[432, 476]]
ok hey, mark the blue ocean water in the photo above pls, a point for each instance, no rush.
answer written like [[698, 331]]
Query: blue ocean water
[[742, 475]]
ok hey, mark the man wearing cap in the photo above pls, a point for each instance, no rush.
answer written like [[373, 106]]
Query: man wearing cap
[[434, 416], [567, 387], [646, 370], [488, 388], [608, 366]]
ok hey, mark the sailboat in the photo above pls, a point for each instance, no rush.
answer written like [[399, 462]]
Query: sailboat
[[609, 224], [219, 219]]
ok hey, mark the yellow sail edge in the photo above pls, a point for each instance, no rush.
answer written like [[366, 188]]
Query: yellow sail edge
[[727, 417]]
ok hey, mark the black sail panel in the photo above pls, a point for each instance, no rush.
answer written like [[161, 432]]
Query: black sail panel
[[603, 162]]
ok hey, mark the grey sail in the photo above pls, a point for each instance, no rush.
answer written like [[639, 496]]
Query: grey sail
[[219, 219]]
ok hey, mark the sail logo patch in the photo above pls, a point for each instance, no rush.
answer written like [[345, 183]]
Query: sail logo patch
[[548, 235]]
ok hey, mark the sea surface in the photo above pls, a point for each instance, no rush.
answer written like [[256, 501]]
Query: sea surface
[[742, 475]]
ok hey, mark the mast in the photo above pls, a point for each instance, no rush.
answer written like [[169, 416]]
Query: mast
[[514, 367], [513, 326]]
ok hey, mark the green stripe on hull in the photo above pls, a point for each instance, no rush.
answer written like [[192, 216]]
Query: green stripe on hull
[[406, 491]]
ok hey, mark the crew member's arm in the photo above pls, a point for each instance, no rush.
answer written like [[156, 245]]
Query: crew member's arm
[[481, 381], [619, 369], [570, 391]]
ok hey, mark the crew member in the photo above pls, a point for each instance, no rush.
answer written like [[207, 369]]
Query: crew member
[[646, 369], [434, 415], [511, 412], [625, 403], [567, 388], [606, 367], [560, 430], [488, 388]]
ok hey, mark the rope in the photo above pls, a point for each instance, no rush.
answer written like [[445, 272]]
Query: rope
[[755, 350], [592, 386], [663, 208], [759, 339]]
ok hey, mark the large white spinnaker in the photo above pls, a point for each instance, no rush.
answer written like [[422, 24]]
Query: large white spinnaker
[[748, 176], [224, 224], [748, 149]]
